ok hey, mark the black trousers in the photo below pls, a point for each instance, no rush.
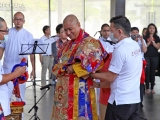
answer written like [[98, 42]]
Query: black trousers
[[152, 63], [142, 90], [122, 112]]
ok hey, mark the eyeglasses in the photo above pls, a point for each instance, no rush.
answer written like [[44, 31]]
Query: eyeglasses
[[4, 30], [21, 20]]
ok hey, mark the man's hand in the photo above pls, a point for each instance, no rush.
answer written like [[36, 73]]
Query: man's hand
[[96, 84], [20, 70], [85, 77], [141, 38], [40, 58], [70, 69]]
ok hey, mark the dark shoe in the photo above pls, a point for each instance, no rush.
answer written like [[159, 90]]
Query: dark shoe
[[141, 105]]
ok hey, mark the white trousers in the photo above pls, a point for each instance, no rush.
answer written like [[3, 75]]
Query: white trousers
[[47, 63]]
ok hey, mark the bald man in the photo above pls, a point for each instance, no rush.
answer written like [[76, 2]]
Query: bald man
[[74, 96], [17, 36]]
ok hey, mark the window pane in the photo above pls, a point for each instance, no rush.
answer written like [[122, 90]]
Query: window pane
[[97, 12], [5, 11], [36, 16], [143, 12], [61, 8]]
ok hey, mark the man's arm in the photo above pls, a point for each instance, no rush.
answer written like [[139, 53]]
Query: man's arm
[[32, 59], [8, 77], [101, 84], [105, 76], [1, 52]]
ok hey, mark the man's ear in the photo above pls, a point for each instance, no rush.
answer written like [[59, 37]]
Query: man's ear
[[79, 25], [120, 31]]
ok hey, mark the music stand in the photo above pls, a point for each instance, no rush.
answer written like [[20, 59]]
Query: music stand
[[37, 48], [40, 50]]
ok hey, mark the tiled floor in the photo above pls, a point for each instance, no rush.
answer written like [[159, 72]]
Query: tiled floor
[[44, 105], [150, 111]]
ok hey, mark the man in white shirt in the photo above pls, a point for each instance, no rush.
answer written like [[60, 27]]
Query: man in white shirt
[[4, 78], [17, 36], [105, 40], [139, 39], [46, 59], [124, 72]]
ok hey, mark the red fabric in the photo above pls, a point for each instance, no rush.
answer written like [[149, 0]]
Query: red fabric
[[16, 90], [90, 83], [105, 92], [70, 96], [143, 72]]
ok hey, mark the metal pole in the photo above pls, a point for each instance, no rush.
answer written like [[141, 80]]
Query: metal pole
[[49, 12], [11, 13]]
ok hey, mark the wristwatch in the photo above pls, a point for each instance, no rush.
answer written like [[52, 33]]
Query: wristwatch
[[98, 84]]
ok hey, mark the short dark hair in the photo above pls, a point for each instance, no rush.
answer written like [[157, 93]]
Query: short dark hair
[[1, 20], [104, 25], [134, 28], [45, 28], [58, 28], [123, 23]]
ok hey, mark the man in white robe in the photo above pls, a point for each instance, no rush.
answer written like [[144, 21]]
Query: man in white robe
[[17, 36], [4, 78]]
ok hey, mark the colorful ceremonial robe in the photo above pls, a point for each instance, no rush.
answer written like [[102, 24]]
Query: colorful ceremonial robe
[[74, 97]]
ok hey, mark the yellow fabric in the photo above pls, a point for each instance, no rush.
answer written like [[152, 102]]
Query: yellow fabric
[[80, 71], [75, 101], [93, 104]]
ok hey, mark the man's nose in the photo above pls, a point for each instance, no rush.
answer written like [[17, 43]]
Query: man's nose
[[68, 32]]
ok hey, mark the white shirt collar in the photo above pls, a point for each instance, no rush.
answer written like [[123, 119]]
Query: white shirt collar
[[102, 38], [121, 42]]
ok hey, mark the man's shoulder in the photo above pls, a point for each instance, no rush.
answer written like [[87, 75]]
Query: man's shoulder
[[23, 32], [125, 45], [128, 42], [43, 37], [27, 32]]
